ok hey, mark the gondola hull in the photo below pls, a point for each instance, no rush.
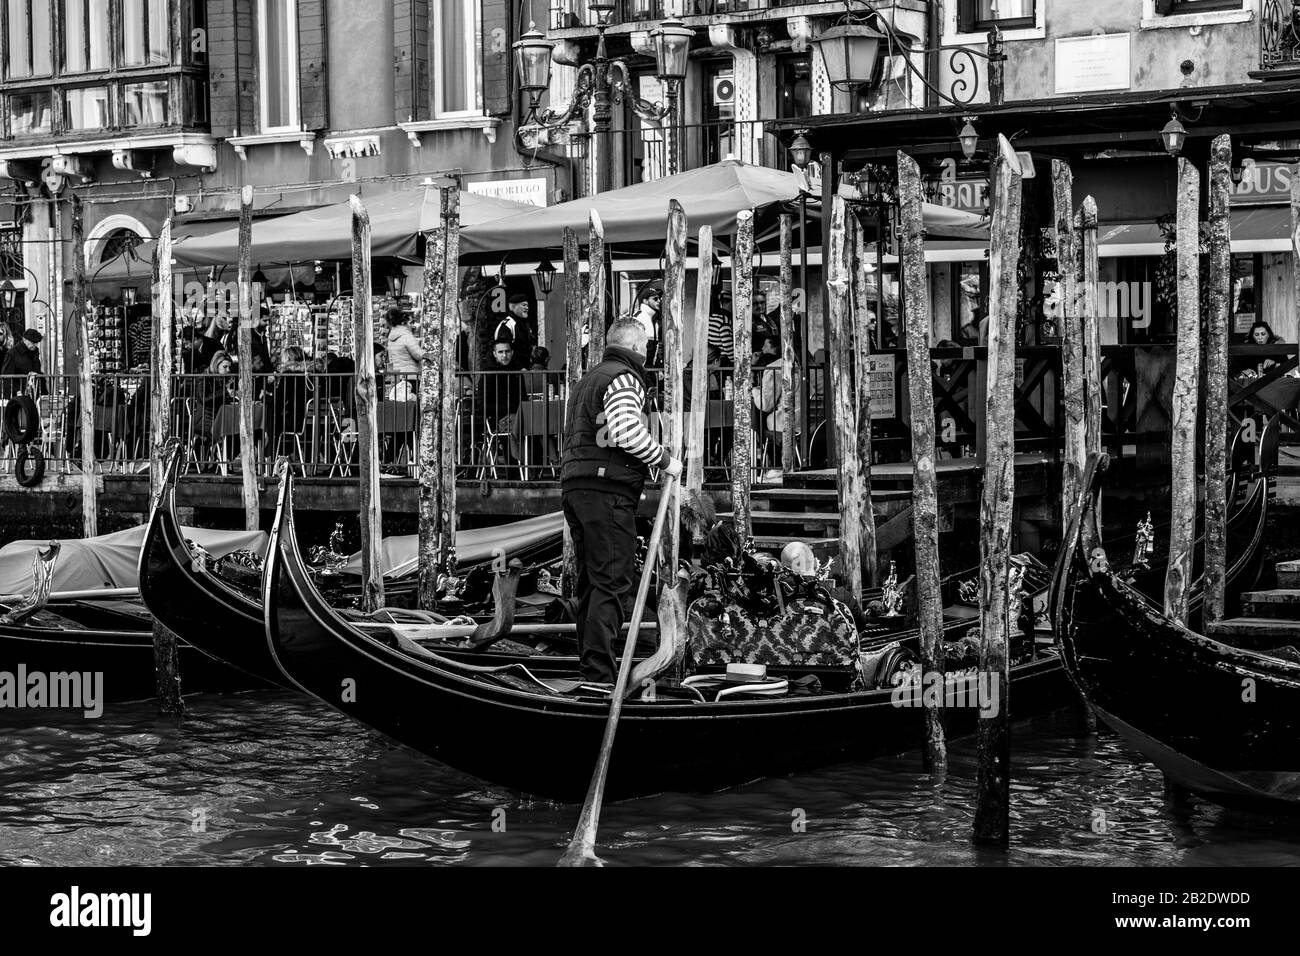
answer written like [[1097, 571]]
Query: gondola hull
[[1218, 720], [123, 657], [545, 745]]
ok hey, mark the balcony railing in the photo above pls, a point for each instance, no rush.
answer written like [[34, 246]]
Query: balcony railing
[[571, 14], [1279, 35]]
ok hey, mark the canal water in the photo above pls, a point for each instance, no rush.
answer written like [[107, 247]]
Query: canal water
[[271, 778]]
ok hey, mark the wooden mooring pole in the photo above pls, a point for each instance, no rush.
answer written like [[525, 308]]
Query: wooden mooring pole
[[1182, 519], [993, 772], [85, 372], [1088, 304], [1072, 361], [363, 337], [673, 387], [244, 348], [742, 272], [860, 481], [166, 658], [1216, 378], [925, 496], [789, 357], [596, 277], [450, 331], [843, 407], [572, 372], [428, 471], [695, 448]]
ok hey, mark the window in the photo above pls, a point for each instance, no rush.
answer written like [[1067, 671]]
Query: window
[[457, 40], [1166, 7], [88, 108], [978, 15], [29, 113], [277, 58], [146, 103], [85, 35], [793, 86], [145, 38], [28, 51]]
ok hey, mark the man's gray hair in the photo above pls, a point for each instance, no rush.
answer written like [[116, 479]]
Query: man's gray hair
[[627, 334]]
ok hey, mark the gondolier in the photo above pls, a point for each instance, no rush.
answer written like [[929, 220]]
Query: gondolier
[[608, 452]]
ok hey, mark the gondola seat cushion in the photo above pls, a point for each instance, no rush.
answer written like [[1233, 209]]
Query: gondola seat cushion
[[808, 633]]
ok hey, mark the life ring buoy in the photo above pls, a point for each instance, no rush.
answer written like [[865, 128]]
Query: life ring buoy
[[29, 457], [22, 420]]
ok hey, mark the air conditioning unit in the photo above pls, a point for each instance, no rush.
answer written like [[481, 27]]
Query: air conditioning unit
[[724, 90]]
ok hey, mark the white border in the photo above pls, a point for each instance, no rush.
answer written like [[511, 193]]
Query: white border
[[106, 225], [1150, 21], [473, 40]]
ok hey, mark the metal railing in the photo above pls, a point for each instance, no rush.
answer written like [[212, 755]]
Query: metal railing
[[1279, 35], [571, 14]]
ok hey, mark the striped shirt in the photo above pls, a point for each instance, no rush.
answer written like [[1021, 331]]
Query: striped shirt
[[721, 335], [625, 420]]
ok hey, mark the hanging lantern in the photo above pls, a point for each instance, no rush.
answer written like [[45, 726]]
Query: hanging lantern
[[850, 51], [545, 273]]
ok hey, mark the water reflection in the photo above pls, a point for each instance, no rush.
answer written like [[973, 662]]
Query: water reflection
[[272, 778]]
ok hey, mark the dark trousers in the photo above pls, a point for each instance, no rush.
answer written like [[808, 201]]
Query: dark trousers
[[603, 527]]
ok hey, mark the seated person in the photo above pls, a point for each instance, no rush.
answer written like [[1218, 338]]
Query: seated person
[[501, 387]]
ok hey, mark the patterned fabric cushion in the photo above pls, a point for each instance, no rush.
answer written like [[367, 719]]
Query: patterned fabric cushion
[[808, 633]]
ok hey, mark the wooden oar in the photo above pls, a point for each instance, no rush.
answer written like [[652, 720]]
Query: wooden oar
[[582, 848]]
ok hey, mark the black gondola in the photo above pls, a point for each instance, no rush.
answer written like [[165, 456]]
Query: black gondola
[[1219, 720], [485, 722]]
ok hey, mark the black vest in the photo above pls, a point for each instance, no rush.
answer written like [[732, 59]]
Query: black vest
[[591, 463]]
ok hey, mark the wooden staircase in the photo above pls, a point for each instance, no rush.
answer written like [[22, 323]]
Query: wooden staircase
[[780, 514], [1270, 618]]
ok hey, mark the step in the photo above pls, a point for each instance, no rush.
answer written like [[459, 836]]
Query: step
[[1278, 603], [789, 517], [1261, 631], [779, 493], [1288, 574], [822, 547]]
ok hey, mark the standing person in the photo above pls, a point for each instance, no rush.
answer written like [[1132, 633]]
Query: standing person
[[608, 451], [404, 357], [648, 309], [516, 327], [23, 359]]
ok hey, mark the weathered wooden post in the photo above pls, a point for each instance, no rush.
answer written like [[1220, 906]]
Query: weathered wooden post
[[166, 659], [925, 495], [671, 431], [695, 442], [596, 276], [742, 297], [993, 773], [1216, 377], [1088, 306], [244, 347], [363, 337], [1182, 520], [1295, 233], [789, 361], [572, 372], [429, 470], [449, 330], [860, 482], [843, 407], [1072, 360], [85, 371]]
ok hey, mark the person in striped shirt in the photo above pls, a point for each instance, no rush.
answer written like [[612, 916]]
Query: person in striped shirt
[[608, 453]]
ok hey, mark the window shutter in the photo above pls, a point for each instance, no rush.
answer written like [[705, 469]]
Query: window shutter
[[313, 78], [966, 16], [411, 60], [497, 61], [232, 60]]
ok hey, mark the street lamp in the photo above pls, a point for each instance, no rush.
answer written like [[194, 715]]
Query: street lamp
[[849, 52], [969, 139], [602, 82], [545, 273], [801, 151], [8, 294], [396, 280], [129, 295], [1174, 135]]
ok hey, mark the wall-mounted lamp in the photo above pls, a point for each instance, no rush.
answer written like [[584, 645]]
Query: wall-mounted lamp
[[545, 273], [8, 294], [396, 282]]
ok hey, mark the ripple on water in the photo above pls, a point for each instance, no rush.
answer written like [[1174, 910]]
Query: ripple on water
[[273, 778]]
